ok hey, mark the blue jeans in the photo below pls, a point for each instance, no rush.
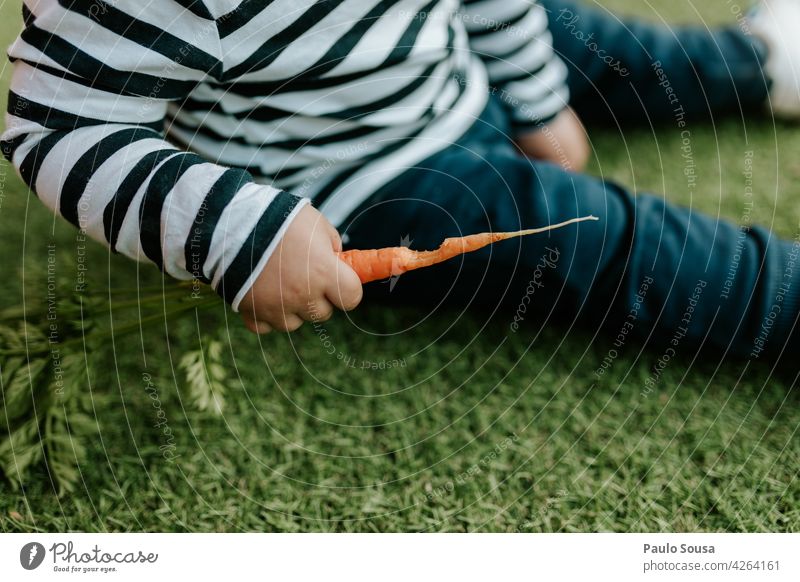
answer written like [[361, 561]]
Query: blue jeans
[[613, 77], [650, 268]]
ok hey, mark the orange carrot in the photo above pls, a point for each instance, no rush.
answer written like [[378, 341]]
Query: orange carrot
[[376, 264]]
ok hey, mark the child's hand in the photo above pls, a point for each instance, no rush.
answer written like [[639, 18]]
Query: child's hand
[[303, 280], [562, 141]]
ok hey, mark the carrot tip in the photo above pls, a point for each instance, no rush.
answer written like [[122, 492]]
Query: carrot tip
[[375, 264]]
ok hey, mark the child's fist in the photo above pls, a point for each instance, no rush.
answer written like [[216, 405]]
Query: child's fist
[[562, 141], [303, 280]]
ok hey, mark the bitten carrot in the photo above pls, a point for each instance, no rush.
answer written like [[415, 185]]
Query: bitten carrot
[[376, 264]]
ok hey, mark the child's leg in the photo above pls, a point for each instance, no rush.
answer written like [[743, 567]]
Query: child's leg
[[682, 274], [629, 71]]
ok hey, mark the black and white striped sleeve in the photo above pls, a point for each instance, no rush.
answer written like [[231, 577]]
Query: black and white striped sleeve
[[512, 38], [84, 128]]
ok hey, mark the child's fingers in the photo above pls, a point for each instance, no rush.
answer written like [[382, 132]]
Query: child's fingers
[[287, 322], [319, 310], [345, 290], [259, 327]]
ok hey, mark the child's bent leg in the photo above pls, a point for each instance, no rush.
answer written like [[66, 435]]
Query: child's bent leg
[[630, 71], [684, 275]]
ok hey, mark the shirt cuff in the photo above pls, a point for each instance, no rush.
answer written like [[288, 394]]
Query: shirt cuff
[[252, 257]]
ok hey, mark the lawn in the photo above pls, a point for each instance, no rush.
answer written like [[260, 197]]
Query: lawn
[[453, 424]]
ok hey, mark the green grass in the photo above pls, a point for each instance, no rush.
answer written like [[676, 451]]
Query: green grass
[[308, 444]]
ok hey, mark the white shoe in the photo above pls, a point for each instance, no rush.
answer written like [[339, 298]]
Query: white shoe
[[777, 24]]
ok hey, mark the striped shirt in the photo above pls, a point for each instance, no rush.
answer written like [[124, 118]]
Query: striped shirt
[[189, 133]]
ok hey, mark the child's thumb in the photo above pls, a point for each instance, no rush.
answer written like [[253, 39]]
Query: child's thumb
[[345, 291], [336, 239]]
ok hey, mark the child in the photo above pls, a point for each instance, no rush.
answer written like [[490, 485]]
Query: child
[[193, 133]]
